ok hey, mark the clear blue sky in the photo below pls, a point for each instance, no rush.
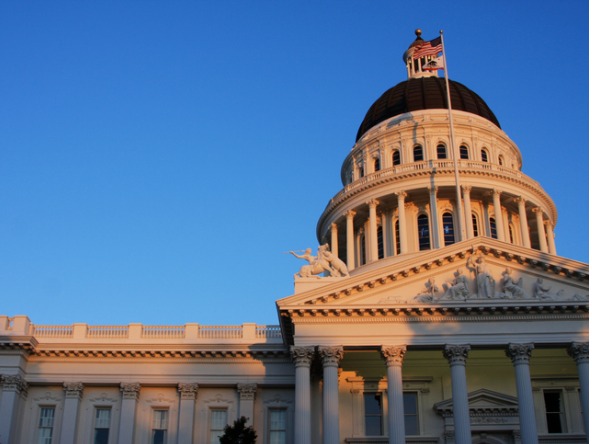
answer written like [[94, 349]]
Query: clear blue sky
[[158, 157]]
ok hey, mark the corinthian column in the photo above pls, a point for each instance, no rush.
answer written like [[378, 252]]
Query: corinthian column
[[402, 221], [579, 352], [372, 235], [188, 393], [550, 237], [520, 356], [334, 240], [14, 388], [468, 215], [497, 212], [129, 392], [73, 393], [434, 216], [393, 356], [541, 230], [457, 357], [523, 222], [302, 357], [349, 228], [331, 357]]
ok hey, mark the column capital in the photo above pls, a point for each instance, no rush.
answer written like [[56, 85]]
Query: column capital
[[373, 203], [350, 214], [73, 389], [14, 383], [188, 390], [519, 353], [578, 351], [456, 354], [466, 188], [331, 355], [537, 210], [246, 391], [302, 356], [393, 354], [496, 193], [401, 194], [520, 200], [130, 390]]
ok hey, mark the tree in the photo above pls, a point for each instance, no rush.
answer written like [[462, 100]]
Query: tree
[[238, 433]]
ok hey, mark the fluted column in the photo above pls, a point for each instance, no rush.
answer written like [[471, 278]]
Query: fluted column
[[246, 401], [14, 389], [129, 392], [541, 229], [579, 352], [523, 222], [402, 221], [351, 251], [457, 357], [435, 222], [520, 356], [497, 213], [334, 239], [550, 237], [393, 356], [302, 357], [73, 393], [188, 394], [468, 215], [331, 357], [372, 235]]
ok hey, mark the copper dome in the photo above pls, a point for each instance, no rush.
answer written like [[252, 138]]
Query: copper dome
[[420, 94]]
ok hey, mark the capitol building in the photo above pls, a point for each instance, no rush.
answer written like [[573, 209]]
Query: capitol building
[[435, 310]]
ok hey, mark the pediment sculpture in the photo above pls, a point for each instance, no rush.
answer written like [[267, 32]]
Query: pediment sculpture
[[325, 263]]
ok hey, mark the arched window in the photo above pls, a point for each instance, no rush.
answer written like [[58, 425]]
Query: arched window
[[500, 160], [423, 232], [441, 151], [484, 155], [475, 225], [377, 164], [397, 238], [448, 227], [417, 153], [464, 152], [492, 227], [380, 239], [396, 157]]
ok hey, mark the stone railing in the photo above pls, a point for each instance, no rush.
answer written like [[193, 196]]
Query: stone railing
[[191, 332]]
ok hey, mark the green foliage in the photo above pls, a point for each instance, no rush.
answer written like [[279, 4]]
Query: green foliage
[[238, 433]]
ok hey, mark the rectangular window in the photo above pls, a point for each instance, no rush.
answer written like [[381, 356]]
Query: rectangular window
[[411, 412], [102, 425], [218, 420], [160, 421], [554, 411], [373, 414], [46, 419], [277, 419]]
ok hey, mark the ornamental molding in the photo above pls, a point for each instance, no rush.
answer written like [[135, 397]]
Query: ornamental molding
[[208, 356]]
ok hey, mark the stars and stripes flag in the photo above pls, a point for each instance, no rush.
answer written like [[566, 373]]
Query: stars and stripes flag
[[431, 48]]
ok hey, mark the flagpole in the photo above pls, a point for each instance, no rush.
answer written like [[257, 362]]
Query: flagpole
[[462, 220]]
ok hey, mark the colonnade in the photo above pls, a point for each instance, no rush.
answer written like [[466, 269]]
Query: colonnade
[[393, 355], [400, 241]]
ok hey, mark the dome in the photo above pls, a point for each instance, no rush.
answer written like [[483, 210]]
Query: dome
[[424, 93]]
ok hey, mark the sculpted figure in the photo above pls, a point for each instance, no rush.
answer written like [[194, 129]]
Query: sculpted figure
[[485, 283], [541, 291], [459, 289], [514, 288], [315, 265], [336, 265], [429, 294]]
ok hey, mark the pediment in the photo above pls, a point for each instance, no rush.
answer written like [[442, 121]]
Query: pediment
[[470, 273], [482, 401]]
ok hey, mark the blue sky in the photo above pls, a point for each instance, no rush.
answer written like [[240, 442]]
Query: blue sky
[[157, 159]]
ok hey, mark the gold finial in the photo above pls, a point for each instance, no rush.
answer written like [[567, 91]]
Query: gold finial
[[418, 33]]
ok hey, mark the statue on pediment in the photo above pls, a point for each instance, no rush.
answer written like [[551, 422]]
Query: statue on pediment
[[485, 283], [541, 291], [324, 262], [429, 293], [510, 287], [459, 288]]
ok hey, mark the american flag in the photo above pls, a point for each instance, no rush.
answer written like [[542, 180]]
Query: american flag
[[433, 47]]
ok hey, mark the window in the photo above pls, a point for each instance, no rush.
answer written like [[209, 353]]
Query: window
[[475, 225], [361, 170], [377, 164], [277, 420], [373, 414], [160, 419], [411, 412], [464, 152], [46, 418], [511, 232], [218, 420], [441, 152], [484, 156], [362, 249], [396, 157], [493, 228], [102, 424], [554, 411], [500, 160], [417, 153], [398, 238], [423, 230], [380, 239], [448, 227]]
